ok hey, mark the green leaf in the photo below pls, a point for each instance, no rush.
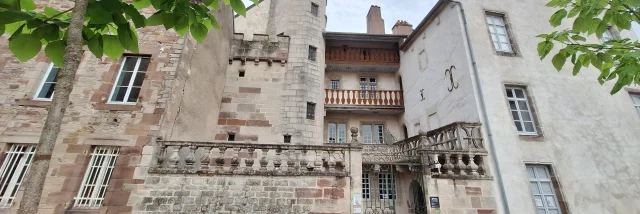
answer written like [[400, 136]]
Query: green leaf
[[558, 60], [544, 48], [573, 12], [95, 46], [616, 88], [632, 3], [98, 15], [55, 52], [199, 31], [557, 17], [112, 47], [136, 17], [168, 20], [1, 29], [49, 32], [227, 2], [238, 6], [118, 19], [622, 21], [214, 22], [214, 4], [577, 24], [155, 19], [25, 46], [578, 38], [27, 5], [10, 4], [139, 4], [182, 25], [162, 4], [602, 27], [577, 68], [128, 38], [14, 16], [50, 12], [207, 2]]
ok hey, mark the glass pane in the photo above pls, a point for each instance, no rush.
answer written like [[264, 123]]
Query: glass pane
[[124, 79], [496, 45], [532, 176], [509, 93], [546, 187], [538, 201], [554, 211], [534, 188], [119, 93], [133, 95], [523, 105], [129, 63], [515, 115], [541, 172], [501, 30], [528, 127], [503, 38], [519, 93], [366, 133], [498, 20], [342, 133], [144, 64], [139, 79], [363, 80], [47, 91], [541, 211], [52, 75], [506, 47], [636, 99], [489, 19], [518, 126], [526, 116], [512, 105], [331, 132], [492, 30], [551, 201], [494, 38]]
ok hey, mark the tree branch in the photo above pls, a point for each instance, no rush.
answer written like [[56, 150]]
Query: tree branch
[[63, 12]]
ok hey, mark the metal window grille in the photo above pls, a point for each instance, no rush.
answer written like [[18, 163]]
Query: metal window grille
[[387, 185], [129, 81], [521, 111], [636, 102], [544, 195], [311, 111], [366, 186], [287, 138], [312, 52], [96, 178], [498, 32], [46, 89], [335, 84], [15, 166], [314, 8]]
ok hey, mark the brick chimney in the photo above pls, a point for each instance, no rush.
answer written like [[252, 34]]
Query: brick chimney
[[375, 23], [402, 27]]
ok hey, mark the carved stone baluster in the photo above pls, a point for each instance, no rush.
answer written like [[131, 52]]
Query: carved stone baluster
[[460, 167], [448, 167], [263, 160], [175, 157], [318, 161], [303, 160], [249, 161], [277, 161], [472, 166], [290, 160], [342, 97], [220, 159], [235, 159], [326, 96], [331, 162], [204, 160], [162, 156], [482, 169], [191, 157]]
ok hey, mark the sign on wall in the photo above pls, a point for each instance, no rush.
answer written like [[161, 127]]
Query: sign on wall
[[435, 202]]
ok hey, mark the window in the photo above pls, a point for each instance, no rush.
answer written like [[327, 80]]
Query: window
[[387, 185], [96, 178], [129, 80], [287, 138], [45, 91], [335, 84], [373, 133], [366, 186], [312, 52], [337, 132], [498, 32], [15, 166], [241, 73], [231, 137], [314, 9], [544, 196], [636, 102], [311, 111], [367, 87], [521, 111]]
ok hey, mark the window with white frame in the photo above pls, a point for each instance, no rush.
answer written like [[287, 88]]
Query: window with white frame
[[367, 87], [14, 168], [498, 32], [335, 84], [129, 81], [387, 185], [373, 133], [337, 132], [544, 196], [45, 91], [521, 111], [366, 186], [636, 102], [96, 178]]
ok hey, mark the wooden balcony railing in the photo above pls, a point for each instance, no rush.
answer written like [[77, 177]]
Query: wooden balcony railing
[[374, 55], [363, 97]]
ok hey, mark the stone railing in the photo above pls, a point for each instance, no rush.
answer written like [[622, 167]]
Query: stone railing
[[363, 97], [252, 159], [360, 55]]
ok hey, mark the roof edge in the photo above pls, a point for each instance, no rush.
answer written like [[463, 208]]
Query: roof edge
[[427, 19]]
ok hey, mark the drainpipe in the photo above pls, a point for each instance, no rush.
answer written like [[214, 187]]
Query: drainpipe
[[485, 116]]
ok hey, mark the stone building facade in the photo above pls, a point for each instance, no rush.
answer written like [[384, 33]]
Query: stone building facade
[[272, 114]]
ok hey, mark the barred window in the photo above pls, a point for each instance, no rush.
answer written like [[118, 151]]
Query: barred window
[[96, 178], [14, 168], [46, 89], [312, 52], [387, 185], [335, 84], [129, 81], [311, 111], [366, 186]]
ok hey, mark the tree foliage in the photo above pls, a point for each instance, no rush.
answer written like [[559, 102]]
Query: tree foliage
[[617, 58], [109, 25]]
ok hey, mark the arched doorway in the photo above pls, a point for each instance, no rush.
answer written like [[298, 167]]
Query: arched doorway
[[418, 196]]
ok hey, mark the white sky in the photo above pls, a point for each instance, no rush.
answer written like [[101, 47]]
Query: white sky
[[350, 15]]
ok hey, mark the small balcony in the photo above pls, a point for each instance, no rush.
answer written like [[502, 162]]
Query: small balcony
[[364, 101], [362, 59]]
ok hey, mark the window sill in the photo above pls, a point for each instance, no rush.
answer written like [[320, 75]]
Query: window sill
[[502, 53], [531, 137], [33, 103], [117, 107], [83, 211]]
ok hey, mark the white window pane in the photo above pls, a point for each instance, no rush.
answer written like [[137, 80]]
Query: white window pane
[[342, 133], [541, 173], [531, 174], [546, 187], [505, 47], [551, 201], [534, 188], [331, 132], [492, 30], [496, 45], [490, 19], [366, 133], [541, 211], [501, 30], [498, 20], [96, 178], [554, 211], [538, 200], [494, 38]]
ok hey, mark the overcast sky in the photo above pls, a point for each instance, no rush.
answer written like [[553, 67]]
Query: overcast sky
[[350, 15]]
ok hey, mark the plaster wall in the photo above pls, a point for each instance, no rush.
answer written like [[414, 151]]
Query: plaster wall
[[587, 136], [256, 21], [357, 120], [351, 80], [436, 49]]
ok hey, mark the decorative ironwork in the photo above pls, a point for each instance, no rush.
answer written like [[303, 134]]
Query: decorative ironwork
[[379, 189], [450, 71]]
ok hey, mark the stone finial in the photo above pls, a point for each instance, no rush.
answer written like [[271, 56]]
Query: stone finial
[[354, 134], [422, 132]]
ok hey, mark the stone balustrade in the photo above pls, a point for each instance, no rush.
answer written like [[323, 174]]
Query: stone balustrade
[[252, 159]]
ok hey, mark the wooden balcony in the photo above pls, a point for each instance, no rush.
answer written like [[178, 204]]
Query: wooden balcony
[[362, 59], [364, 101]]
